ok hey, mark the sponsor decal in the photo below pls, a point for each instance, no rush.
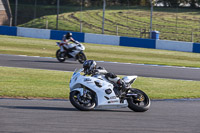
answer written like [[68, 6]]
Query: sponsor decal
[[113, 97], [87, 80], [113, 101]]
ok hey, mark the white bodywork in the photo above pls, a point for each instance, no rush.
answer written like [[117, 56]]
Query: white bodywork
[[78, 47], [128, 79], [103, 100]]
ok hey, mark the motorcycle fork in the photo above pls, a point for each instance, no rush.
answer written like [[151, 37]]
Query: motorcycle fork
[[85, 92]]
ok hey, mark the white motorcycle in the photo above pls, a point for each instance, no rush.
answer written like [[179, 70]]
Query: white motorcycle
[[96, 92], [74, 52]]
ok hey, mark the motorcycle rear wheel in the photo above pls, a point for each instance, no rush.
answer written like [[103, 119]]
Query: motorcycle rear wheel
[[141, 103], [82, 103], [81, 57], [59, 57]]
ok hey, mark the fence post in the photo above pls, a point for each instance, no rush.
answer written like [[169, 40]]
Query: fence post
[[16, 6], [58, 6], [81, 25], [192, 36], [151, 19], [104, 7], [35, 6], [117, 30], [47, 23]]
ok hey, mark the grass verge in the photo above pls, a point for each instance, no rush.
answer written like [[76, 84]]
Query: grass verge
[[36, 83], [173, 23], [47, 48]]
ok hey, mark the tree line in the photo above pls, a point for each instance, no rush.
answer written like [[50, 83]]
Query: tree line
[[166, 3]]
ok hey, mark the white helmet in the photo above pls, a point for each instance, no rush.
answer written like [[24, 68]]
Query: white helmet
[[89, 66]]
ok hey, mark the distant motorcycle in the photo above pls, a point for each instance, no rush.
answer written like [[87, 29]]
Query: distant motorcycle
[[96, 92], [74, 52]]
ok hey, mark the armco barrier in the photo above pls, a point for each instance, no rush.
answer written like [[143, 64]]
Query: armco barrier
[[174, 45], [58, 35], [34, 33], [101, 39], [137, 42], [6, 30], [196, 47]]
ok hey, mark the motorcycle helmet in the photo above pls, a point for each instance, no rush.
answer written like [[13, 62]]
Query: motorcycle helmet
[[89, 66], [68, 35]]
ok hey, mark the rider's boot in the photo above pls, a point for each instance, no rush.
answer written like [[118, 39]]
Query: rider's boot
[[122, 87]]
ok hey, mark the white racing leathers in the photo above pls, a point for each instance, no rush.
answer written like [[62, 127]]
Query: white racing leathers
[[110, 76]]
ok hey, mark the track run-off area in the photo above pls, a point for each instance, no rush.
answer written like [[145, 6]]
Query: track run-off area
[[168, 116]]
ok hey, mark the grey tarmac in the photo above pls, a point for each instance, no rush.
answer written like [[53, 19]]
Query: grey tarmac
[[59, 116], [50, 116], [182, 73]]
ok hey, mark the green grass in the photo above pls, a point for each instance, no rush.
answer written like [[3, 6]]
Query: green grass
[[36, 83], [33, 83], [173, 24], [47, 48], [20, 82]]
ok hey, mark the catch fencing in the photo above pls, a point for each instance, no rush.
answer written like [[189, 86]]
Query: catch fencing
[[130, 20]]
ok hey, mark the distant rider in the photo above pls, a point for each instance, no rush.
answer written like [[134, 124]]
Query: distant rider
[[65, 41], [91, 68]]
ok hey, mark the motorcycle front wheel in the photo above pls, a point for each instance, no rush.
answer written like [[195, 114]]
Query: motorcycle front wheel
[[83, 103], [60, 56], [139, 103], [81, 57]]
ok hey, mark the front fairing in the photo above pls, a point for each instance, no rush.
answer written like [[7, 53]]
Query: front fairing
[[82, 47], [75, 76], [103, 89], [100, 87], [71, 45]]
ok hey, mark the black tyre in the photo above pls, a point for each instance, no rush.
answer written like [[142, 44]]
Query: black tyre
[[83, 103], [81, 57], [139, 103], [59, 56]]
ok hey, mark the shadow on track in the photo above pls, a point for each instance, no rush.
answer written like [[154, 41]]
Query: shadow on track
[[59, 109], [39, 108]]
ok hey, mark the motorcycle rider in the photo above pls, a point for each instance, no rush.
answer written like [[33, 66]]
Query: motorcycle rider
[[65, 41], [91, 68]]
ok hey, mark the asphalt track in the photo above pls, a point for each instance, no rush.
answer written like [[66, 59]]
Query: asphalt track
[[50, 116], [183, 73], [58, 116]]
